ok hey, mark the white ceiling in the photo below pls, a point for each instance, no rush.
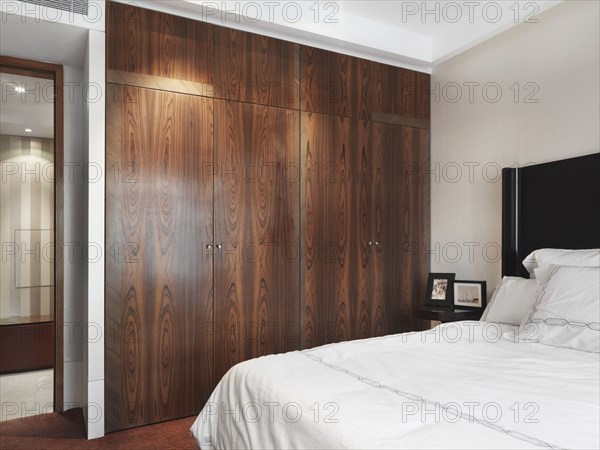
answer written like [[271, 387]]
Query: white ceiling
[[31, 38], [33, 109], [413, 34]]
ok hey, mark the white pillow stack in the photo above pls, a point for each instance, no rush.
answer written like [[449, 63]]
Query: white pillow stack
[[573, 258], [559, 305], [567, 309]]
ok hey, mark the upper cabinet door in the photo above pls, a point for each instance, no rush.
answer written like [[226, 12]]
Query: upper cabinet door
[[328, 82], [159, 310], [341, 85], [163, 45], [257, 177], [256, 69]]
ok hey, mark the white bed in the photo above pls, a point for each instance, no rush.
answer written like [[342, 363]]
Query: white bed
[[460, 385], [532, 382]]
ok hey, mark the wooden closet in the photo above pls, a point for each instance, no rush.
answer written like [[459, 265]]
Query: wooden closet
[[262, 197]]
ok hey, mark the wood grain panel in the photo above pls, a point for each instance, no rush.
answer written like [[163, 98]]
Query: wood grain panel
[[366, 139], [423, 87], [256, 220], [373, 286], [405, 92], [390, 211], [327, 270], [341, 85], [378, 306], [393, 119], [27, 346], [153, 43], [383, 296], [375, 85], [328, 82], [159, 310], [423, 263], [133, 80], [411, 96], [256, 69], [412, 227]]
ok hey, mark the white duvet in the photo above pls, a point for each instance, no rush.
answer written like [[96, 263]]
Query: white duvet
[[459, 385]]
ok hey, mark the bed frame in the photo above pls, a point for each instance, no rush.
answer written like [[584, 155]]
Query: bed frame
[[551, 205]]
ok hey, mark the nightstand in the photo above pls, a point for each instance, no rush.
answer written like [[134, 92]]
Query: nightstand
[[448, 315]]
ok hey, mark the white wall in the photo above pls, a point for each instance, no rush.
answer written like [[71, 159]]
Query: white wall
[[554, 117], [93, 311], [74, 229]]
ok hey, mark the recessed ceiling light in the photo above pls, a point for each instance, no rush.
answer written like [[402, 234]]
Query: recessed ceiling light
[[28, 130]]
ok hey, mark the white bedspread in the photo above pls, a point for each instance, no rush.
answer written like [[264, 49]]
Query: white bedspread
[[456, 386]]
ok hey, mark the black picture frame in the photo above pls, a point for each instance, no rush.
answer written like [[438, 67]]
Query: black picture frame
[[439, 284], [469, 295]]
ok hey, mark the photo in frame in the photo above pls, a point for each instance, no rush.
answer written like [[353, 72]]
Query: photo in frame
[[440, 290], [469, 294]]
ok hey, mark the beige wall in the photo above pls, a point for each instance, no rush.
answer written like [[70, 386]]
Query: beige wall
[[26, 227], [555, 116]]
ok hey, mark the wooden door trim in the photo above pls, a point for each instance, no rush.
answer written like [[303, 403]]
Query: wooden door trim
[[38, 69]]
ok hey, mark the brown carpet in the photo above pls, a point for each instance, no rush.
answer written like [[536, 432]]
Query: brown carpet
[[67, 431]]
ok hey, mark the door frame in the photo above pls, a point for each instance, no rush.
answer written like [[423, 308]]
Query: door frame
[[54, 72]]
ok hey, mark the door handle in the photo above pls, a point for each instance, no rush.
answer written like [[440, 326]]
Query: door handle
[[219, 246], [209, 246]]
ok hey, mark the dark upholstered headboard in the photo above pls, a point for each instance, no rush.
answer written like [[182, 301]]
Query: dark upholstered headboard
[[551, 205]]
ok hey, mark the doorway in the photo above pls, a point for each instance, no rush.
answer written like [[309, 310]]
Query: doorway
[[31, 233]]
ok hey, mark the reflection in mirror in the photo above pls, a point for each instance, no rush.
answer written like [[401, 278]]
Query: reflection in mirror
[[27, 236]]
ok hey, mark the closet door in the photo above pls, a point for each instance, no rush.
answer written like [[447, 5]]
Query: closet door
[[378, 241], [392, 234], [257, 176], [366, 314], [412, 222], [329, 224], [389, 211], [159, 277]]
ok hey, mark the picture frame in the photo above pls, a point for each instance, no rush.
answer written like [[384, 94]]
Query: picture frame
[[440, 290], [469, 295]]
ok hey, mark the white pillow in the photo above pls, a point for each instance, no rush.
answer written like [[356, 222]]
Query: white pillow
[[512, 301], [540, 273], [567, 310], [559, 257]]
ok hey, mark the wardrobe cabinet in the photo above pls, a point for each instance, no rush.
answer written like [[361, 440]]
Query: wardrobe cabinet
[[205, 238], [362, 211], [261, 197]]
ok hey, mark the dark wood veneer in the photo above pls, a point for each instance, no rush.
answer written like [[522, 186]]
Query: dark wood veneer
[[152, 43], [159, 307], [26, 346], [363, 209], [328, 179], [257, 223], [307, 157], [341, 85], [256, 69]]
